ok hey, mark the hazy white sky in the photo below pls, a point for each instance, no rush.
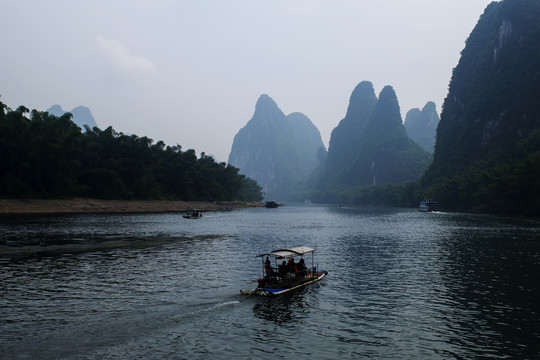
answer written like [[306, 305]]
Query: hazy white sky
[[189, 72]]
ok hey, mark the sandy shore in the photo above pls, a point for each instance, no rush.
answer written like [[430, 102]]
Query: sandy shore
[[35, 206]]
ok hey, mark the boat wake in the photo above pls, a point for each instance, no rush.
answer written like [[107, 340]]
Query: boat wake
[[227, 303], [204, 309]]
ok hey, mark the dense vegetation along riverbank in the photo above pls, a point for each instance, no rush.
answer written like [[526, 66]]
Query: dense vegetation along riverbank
[[49, 157], [80, 205]]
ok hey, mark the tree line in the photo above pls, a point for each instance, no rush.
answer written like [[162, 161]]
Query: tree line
[[45, 156]]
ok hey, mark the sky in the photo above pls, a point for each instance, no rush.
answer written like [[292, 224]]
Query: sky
[[190, 72]]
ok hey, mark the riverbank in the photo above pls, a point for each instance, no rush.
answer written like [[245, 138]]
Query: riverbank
[[80, 205]]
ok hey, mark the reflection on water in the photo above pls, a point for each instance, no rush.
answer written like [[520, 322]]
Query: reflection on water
[[401, 284], [286, 310], [492, 282]]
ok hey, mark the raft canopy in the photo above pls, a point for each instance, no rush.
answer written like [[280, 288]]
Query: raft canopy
[[289, 252]]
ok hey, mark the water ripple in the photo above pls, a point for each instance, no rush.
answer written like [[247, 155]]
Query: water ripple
[[401, 285]]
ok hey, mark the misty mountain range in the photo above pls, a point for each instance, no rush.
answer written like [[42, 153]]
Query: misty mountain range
[[485, 146], [369, 146]]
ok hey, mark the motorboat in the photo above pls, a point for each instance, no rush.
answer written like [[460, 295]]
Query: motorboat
[[428, 205], [284, 270]]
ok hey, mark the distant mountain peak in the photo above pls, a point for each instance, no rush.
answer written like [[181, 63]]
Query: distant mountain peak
[[266, 109], [81, 115], [56, 110], [361, 101], [388, 95], [81, 108], [265, 100], [422, 125], [430, 106], [276, 150], [387, 109]]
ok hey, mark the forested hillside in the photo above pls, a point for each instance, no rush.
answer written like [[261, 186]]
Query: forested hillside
[[45, 156], [487, 154]]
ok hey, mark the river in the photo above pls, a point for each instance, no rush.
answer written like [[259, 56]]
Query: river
[[401, 284]]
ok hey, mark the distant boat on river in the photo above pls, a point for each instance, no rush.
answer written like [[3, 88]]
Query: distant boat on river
[[272, 204], [193, 214], [428, 205]]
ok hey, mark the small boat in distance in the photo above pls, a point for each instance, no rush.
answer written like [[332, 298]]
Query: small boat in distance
[[272, 204], [281, 278], [193, 214], [428, 205]]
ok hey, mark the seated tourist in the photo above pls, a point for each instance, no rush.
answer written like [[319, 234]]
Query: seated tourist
[[291, 266], [301, 269], [268, 269], [282, 269]]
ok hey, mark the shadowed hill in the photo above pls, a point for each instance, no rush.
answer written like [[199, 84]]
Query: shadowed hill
[[370, 145], [487, 154]]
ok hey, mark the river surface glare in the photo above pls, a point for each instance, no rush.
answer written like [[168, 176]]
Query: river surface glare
[[401, 284]]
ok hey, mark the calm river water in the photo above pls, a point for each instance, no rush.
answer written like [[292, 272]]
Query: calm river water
[[401, 285]]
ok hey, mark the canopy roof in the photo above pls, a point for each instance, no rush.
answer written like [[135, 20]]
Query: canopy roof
[[289, 252]]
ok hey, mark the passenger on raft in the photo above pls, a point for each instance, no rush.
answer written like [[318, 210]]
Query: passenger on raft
[[282, 269], [301, 269], [291, 269], [268, 269]]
